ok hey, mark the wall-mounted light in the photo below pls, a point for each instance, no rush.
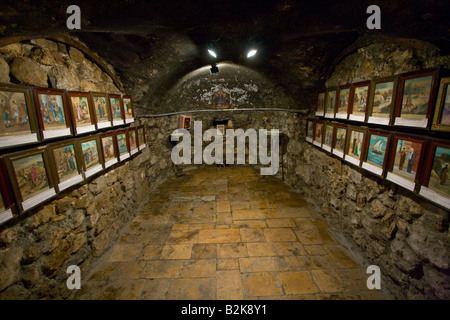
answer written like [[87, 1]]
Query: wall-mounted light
[[212, 53], [251, 53], [214, 69]]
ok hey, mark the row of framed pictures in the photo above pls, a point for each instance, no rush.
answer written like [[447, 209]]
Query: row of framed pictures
[[416, 163], [30, 115], [402, 100], [31, 177]]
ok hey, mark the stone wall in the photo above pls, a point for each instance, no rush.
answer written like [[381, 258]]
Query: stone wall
[[406, 236]]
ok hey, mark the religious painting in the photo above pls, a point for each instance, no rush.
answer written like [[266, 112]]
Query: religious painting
[[102, 109], [340, 135], [221, 100], [65, 164], [355, 145], [122, 145], [318, 134], [115, 102], [141, 137], [185, 122], [109, 149], [82, 115], [327, 136], [128, 108], [18, 125], [415, 99], [90, 155], [7, 206], [343, 96], [360, 100], [382, 100], [441, 119], [436, 182], [377, 147], [132, 140], [405, 160], [309, 130], [53, 113], [330, 103], [30, 177], [320, 107]]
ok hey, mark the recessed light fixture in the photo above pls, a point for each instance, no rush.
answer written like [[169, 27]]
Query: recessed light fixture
[[212, 53], [251, 53]]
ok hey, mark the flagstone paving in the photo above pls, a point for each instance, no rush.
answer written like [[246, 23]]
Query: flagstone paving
[[227, 233]]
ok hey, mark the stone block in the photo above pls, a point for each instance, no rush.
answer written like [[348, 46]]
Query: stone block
[[28, 71]]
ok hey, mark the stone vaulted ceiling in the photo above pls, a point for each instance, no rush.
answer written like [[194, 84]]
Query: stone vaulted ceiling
[[152, 44]]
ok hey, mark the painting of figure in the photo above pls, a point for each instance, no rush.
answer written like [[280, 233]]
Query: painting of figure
[[343, 101], [382, 100], [115, 108], [52, 111], [132, 139], [100, 109], [65, 162], [128, 108], [340, 139], [445, 114], [331, 101], [440, 174], [360, 100], [108, 148], [81, 111], [321, 102], [356, 144], [319, 128], [2, 204], [141, 136], [328, 135], [221, 100], [377, 150], [416, 95], [122, 142], [31, 176], [14, 114], [406, 159], [90, 153], [310, 129]]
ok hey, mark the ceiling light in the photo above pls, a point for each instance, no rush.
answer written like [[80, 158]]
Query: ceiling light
[[211, 52], [251, 53]]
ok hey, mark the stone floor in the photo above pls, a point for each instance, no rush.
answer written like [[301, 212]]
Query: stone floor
[[227, 233]]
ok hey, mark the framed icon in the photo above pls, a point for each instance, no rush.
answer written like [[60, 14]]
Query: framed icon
[[310, 130], [376, 151], [383, 93], [102, 110], [31, 178], [132, 140], [405, 160], [118, 115], [65, 163], [328, 130], [342, 102], [141, 137], [185, 122], [109, 149], [53, 113], [18, 122], [441, 119], [128, 109], [340, 140], [318, 134], [123, 147], [83, 117], [91, 155], [7, 206], [320, 104], [415, 99], [359, 101], [355, 145]]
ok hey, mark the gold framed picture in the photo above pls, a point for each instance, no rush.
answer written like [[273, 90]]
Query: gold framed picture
[[441, 119]]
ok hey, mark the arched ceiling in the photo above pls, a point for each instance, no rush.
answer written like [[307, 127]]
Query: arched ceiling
[[152, 44]]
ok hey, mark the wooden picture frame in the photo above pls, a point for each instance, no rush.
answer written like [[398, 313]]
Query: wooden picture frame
[[132, 140], [123, 147], [8, 208], [435, 185], [102, 110], [91, 158], [382, 99], [355, 143], [340, 140], [327, 141], [53, 113], [185, 122], [406, 160], [109, 149], [342, 102], [330, 103], [128, 108], [65, 164], [415, 98], [309, 133], [117, 113], [441, 118], [359, 101], [83, 116], [320, 104], [318, 134], [30, 177], [141, 137], [376, 151], [18, 121]]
